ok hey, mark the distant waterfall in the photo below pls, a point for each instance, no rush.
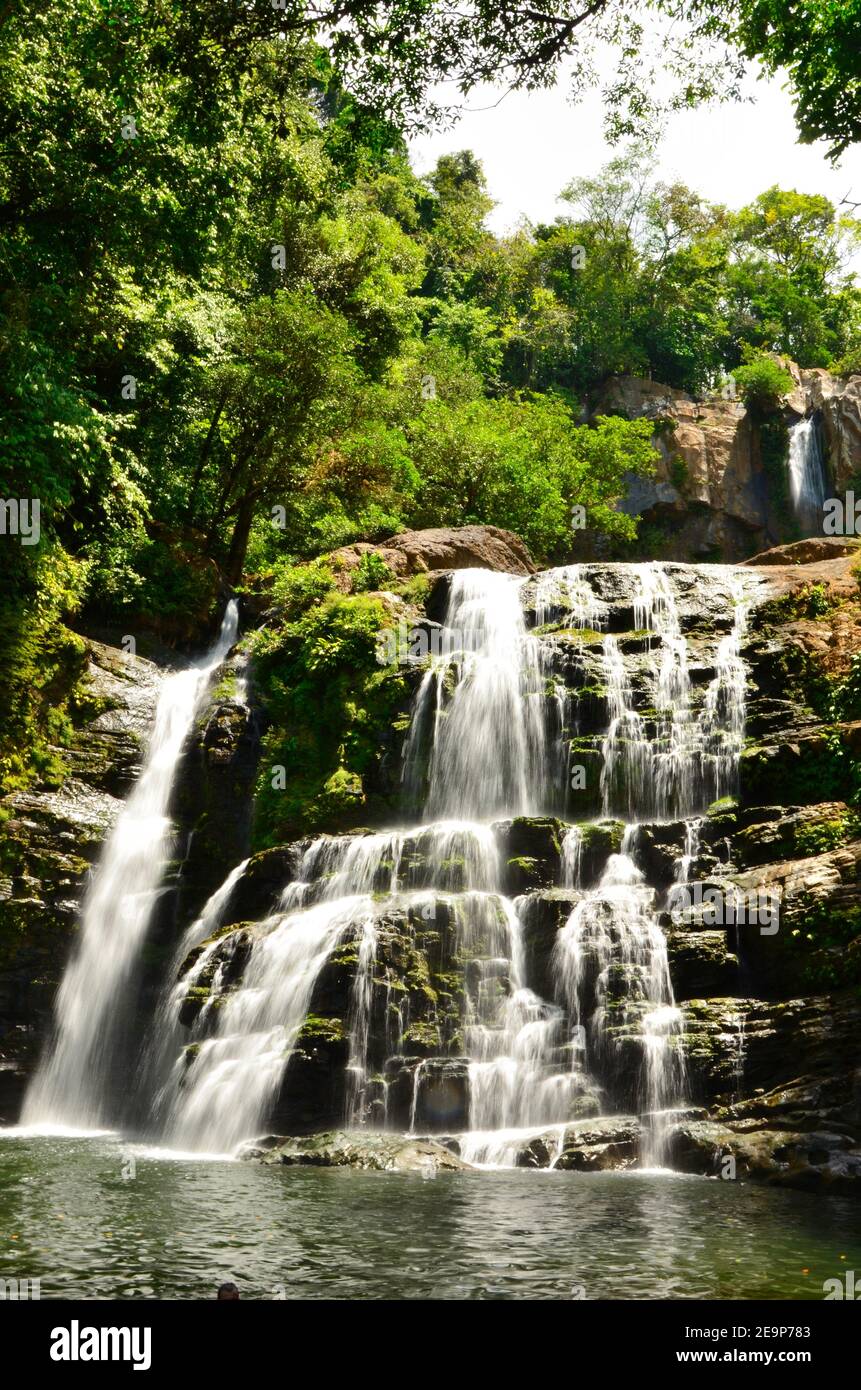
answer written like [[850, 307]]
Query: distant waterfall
[[808, 477], [73, 1082]]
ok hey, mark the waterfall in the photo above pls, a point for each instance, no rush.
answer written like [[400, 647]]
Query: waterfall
[[74, 1080], [613, 975], [488, 736], [165, 1034], [808, 477], [572, 857], [489, 741], [513, 1038], [221, 1089]]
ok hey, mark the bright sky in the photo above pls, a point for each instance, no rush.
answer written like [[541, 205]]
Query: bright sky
[[533, 143]]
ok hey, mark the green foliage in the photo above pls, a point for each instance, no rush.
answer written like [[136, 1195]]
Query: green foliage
[[331, 705], [762, 382], [372, 572], [826, 946], [297, 588], [42, 664], [846, 696], [679, 472], [820, 836], [523, 465], [808, 601], [311, 327]]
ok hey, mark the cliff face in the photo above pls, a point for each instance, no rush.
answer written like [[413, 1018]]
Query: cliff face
[[710, 497]]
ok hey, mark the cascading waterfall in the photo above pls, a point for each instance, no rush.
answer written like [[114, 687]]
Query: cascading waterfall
[[73, 1083], [490, 739], [488, 742], [221, 1089], [613, 975], [808, 477], [165, 1034], [572, 857]]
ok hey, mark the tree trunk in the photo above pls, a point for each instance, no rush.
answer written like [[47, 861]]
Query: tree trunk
[[202, 461], [239, 539]]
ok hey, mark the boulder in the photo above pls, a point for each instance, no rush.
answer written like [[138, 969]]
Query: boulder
[[389, 1153], [443, 548], [601, 1144], [807, 552], [784, 1158]]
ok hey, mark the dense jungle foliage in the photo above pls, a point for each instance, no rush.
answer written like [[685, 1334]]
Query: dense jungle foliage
[[238, 330]]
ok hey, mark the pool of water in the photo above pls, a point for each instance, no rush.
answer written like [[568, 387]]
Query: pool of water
[[100, 1218]]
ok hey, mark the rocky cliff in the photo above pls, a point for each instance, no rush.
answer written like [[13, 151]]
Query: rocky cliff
[[710, 497]]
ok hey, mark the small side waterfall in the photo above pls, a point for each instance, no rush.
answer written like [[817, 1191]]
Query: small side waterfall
[[73, 1083], [808, 477]]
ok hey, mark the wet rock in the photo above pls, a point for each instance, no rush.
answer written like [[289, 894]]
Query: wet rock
[[700, 964], [391, 1153], [530, 849], [601, 1144], [213, 796], [429, 1094], [543, 915], [784, 1158], [734, 1047], [268, 873]]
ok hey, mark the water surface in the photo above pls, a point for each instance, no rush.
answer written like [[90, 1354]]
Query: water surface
[[180, 1226]]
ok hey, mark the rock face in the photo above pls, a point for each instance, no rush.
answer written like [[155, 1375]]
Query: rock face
[[444, 548], [709, 479], [710, 498], [838, 399], [51, 839]]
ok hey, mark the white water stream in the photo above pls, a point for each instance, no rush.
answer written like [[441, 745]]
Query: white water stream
[[73, 1082], [808, 478]]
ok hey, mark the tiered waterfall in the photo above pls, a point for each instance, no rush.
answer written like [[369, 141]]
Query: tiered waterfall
[[585, 706]]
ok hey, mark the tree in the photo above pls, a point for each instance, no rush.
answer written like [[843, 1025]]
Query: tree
[[394, 56], [790, 286], [523, 465], [289, 376]]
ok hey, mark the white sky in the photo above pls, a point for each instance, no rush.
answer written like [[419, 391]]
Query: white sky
[[533, 143]]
